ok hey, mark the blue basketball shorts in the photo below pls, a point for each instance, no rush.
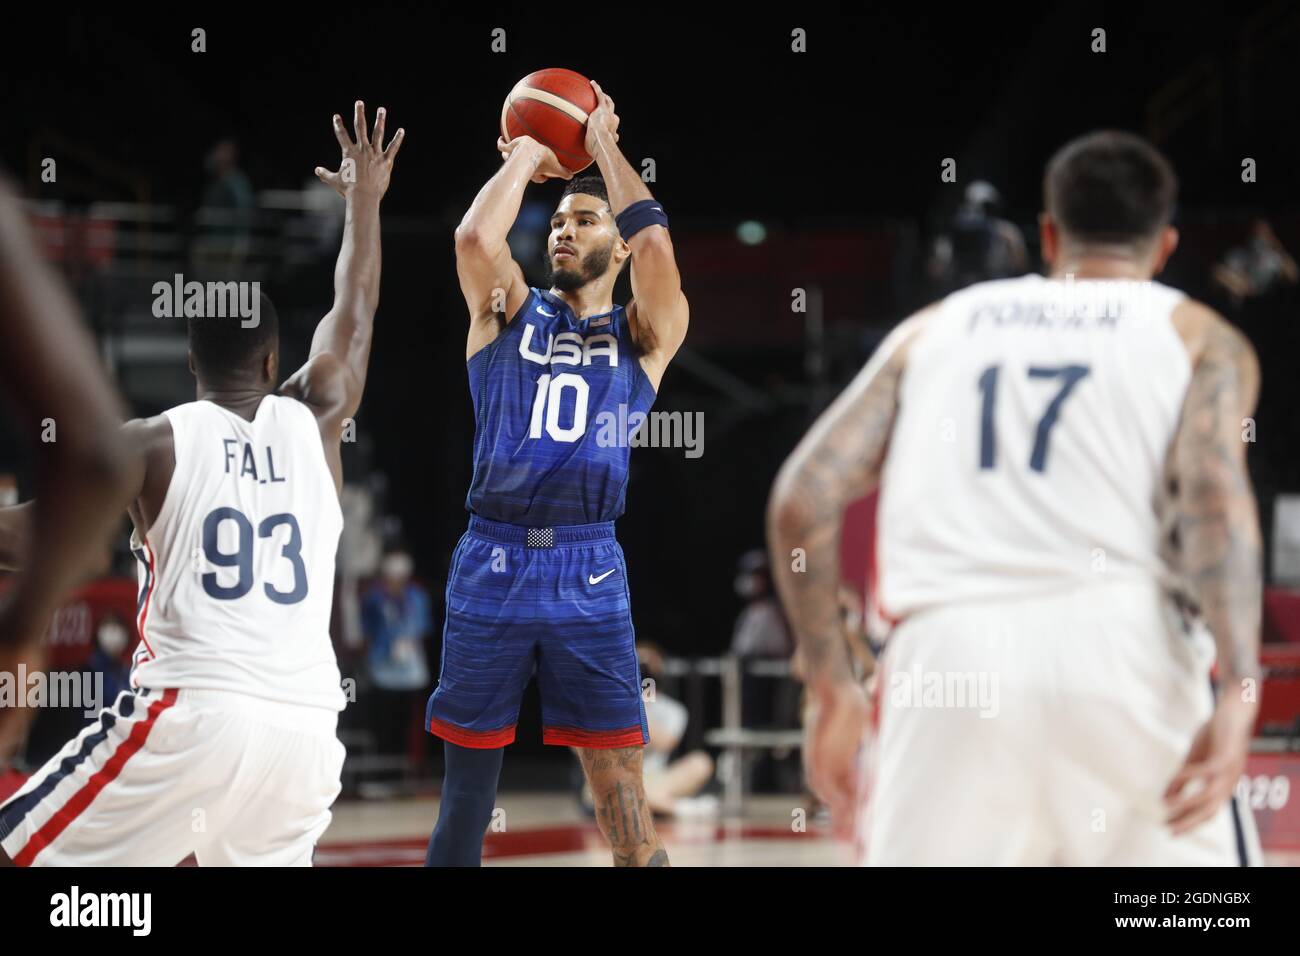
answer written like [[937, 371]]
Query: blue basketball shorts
[[546, 601]]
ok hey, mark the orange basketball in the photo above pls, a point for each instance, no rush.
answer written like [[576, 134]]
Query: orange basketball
[[551, 106]]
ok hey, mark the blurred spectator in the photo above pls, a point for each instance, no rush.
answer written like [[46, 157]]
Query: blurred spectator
[[111, 638], [976, 245], [396, 620], [671, 786], [760, 629], [360, 551], [766, 702], [1256, 267], [226, 210], [90, 637]]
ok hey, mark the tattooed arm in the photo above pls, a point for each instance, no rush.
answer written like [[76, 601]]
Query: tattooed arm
[[1218, 529], [838, 461], [1217, 521]]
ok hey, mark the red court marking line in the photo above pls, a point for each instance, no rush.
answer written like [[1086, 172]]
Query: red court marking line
[[106, 774], [572, 839]]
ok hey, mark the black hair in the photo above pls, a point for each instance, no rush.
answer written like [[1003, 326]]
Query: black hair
[[224, 349], [589, 185], [1110, 186]]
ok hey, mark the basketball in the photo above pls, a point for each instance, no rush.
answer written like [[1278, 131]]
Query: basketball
[[551, 106]]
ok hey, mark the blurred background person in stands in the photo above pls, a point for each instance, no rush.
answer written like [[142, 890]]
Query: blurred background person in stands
[[396, 619], [767, 703], [107, 659], [976, 245], [760, 629], [225, 216], [672, 787], [1256, 267]]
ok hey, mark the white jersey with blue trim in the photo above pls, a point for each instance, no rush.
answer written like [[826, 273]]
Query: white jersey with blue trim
[[237, 569], [1035, 417]]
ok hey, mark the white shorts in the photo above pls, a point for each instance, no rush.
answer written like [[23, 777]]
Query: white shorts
[[1043, 732], [235, 780]]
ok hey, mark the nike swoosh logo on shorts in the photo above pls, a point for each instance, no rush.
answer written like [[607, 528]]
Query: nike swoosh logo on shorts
[[592, 579]]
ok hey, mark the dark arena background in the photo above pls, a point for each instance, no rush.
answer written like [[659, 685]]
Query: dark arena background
[[810, 213]]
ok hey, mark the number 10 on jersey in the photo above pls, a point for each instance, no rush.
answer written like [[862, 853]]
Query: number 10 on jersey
[[546, 404]]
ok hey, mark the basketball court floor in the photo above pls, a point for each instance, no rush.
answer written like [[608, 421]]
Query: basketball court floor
[[548, 829]]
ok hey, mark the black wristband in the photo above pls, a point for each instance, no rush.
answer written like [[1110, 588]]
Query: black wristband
[[646, 212]]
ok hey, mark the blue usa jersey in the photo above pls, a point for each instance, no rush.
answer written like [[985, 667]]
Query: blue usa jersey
[[556, 401]]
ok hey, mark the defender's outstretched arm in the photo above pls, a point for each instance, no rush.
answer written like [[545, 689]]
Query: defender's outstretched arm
[[334, 377]]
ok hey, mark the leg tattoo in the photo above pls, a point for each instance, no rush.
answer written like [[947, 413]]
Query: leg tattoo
[[621, 808]]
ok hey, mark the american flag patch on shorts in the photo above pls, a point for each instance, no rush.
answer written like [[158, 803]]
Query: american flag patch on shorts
[[540, 538]]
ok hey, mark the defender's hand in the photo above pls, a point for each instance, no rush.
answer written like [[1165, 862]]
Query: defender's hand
[[1216, 761], [546, 165], [836, 724], [601, 120], [366, 164]]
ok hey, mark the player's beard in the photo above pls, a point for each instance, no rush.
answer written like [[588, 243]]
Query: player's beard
[[592, 266]]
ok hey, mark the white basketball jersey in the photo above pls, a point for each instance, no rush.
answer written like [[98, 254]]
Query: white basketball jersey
[[1028, 453], [237, 570]]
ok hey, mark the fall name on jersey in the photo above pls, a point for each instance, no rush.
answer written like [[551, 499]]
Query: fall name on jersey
[[243, 462]]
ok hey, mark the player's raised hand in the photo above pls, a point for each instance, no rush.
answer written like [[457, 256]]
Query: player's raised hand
[[601, 120], [366, 165], [833, 735], [547, 165]]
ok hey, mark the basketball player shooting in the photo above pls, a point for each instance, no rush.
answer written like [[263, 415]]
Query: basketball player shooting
[[538, 582], [1065, 512], [226, 745]]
